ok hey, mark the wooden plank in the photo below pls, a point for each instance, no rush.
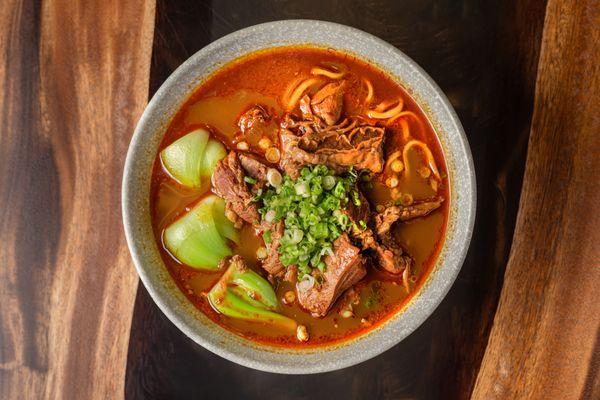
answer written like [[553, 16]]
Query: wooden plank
[[485, 59], [74, 80], [545, 342]]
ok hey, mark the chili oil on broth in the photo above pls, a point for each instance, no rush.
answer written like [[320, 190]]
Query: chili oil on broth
[[262, 78]]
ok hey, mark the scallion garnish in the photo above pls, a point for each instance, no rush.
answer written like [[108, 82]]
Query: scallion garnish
[[310, 207]]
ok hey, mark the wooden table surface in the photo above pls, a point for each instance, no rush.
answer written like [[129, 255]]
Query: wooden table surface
[[522, 320]]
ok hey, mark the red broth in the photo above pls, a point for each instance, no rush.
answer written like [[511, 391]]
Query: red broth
[[262, 78]]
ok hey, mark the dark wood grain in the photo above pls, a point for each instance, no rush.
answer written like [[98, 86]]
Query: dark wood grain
[[74, 79], [484, 56], [545, 342]]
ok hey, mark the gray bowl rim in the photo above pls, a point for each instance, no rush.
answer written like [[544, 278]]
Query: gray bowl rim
[[148, 134]]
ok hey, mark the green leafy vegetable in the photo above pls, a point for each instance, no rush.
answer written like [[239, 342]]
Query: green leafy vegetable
[[214, 152], [224, 225], [311, 210], [256, 287], [235, 307], [183, 158], [197, 238], [192, 157], [242, 293]]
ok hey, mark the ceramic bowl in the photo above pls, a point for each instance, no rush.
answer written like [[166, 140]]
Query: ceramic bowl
[[136, 187]]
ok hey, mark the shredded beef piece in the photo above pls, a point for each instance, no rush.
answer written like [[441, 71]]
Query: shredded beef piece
[[343, 269], [258, 171], [254, 168], [228, 183], [272, 264], [385, 219], [289, 163], [255, 124], [255, 118], [352, 143], [387, 251], [328, 101], [390, 255], [305, 108]]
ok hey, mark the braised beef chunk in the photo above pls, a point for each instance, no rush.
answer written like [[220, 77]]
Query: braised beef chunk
[[328, 101], [228, 183], [256, 124], [390, 255], [350, 143], [292, 164], [343, 269], [253, 119], [385, 219], [253, 167], [387, 251], [271, 264]]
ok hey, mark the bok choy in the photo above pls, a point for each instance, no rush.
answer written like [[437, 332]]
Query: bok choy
[[199, 238], [192, 157], [243, 294]]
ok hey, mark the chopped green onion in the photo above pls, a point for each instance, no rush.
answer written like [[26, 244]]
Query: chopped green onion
[[267, 237], [310, 208], [270, 216], [297, 236], [302, 189], [250, 180], [356, 198], [328, 182]]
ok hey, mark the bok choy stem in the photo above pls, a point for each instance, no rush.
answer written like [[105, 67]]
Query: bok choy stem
[[243, 294]]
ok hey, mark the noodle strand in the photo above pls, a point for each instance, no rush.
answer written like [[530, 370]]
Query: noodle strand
[[405, 129], [428, 155], [299, 91], [384, 105], [377, 114], [404, 114], [290, 88], [327, 73], [369, 97]]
